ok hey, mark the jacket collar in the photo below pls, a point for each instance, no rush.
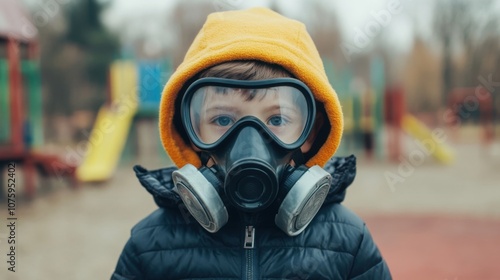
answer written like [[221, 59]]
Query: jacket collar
[[159, 182]]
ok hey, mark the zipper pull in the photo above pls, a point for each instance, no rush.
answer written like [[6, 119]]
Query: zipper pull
[[249, 237]]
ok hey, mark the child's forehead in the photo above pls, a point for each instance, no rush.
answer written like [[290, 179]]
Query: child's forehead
[[244, 94], [245, 97]]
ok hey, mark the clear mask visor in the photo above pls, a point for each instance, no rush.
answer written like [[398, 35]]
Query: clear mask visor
[[213, 110]]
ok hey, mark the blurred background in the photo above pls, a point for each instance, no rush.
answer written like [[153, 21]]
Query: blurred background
[[419, 82]]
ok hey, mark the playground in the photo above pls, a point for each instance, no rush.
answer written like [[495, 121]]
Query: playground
[[427, 183], [432, 205]]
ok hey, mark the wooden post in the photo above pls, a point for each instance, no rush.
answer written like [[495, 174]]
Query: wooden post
[[16, 96]]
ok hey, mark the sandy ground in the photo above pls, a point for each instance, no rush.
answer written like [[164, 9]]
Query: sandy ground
[[437, 222]]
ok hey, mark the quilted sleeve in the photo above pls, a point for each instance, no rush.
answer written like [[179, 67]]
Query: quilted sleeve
[[368, 262], [128, 267]]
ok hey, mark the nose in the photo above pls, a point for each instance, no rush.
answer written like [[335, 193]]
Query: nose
[[250, 143]]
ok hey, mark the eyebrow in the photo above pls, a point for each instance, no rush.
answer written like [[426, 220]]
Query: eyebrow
[[235, 110], [221, 108], [286, 107]]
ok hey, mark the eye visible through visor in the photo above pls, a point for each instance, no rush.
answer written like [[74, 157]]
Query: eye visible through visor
[[213, 106]]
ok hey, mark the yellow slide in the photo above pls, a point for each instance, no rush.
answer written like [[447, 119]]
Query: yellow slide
[[422, 133], [111, 129], [105, 144]]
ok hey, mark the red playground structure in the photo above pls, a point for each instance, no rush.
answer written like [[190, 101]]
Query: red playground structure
[[21, 115], [463, 103]]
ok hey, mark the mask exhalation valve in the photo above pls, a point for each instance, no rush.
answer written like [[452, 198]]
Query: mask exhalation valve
[[251, 185]]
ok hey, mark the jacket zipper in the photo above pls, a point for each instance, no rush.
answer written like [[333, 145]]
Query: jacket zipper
[[248, 246]]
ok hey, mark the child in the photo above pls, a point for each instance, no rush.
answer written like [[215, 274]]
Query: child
[[251, 122]]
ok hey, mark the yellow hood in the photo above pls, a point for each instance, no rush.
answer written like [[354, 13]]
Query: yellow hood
[[253, 34]]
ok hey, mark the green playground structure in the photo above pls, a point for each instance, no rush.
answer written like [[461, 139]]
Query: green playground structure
[[21, 117]]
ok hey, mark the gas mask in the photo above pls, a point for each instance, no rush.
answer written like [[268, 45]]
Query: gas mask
[[249, 134]]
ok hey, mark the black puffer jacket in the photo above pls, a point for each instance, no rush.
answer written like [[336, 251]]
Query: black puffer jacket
[[170, 244]]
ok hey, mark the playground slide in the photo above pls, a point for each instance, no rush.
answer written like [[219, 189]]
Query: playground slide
[[105, 144], [419, 131]]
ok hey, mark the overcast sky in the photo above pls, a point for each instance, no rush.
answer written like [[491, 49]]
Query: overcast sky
[[390, 22], [358, 18]]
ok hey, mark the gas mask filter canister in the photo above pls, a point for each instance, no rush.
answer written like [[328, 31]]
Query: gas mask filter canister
[[252, 131]]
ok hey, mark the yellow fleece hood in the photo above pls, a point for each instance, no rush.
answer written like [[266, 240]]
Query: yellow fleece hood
[[253, 34]]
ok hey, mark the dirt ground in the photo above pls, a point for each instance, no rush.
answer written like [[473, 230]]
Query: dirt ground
[[435, 222]]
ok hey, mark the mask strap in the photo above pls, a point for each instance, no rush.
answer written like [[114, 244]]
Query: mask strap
[[298, 157], [204, 157]]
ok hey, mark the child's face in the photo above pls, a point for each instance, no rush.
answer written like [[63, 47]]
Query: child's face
[[279, 108]]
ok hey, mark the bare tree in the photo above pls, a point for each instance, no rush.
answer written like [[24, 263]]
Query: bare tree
[[462, 26], [188, 17]]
